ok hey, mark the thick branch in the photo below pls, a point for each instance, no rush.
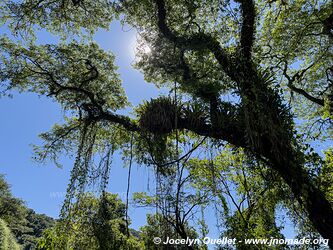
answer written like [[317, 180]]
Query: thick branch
[[230, 131], [96, 112], [247, 30], [122, 120], [306, 95], [198, 41]]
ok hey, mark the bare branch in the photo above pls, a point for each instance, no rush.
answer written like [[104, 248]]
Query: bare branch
[[297, 76]]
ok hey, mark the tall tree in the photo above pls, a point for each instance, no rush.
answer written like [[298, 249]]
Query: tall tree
[[94, 223], [157, 226], [255, 54], [18, 220], [7, 239]]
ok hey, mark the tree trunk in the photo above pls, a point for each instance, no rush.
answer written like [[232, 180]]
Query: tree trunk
[[268, 126], [310, 197]]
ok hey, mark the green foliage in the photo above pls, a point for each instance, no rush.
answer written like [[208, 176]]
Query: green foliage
[[23, 223], [143, 199], [93, 223], [60, 69], [36, 225], [12, 210], [157, 226], [7, 239], [200, 46], [294, 39], [65, 17], [255, 192], [326, 175]]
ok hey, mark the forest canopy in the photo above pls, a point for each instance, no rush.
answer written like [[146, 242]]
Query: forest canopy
[[250, 91]]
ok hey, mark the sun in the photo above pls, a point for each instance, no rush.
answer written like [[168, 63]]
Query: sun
[[145, 48], [138, 46]]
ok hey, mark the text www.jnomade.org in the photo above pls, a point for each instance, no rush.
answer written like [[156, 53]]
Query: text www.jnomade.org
[[233, 241]]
